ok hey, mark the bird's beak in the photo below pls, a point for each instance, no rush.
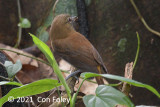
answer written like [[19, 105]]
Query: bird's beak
[[74, 18], [74, 22]]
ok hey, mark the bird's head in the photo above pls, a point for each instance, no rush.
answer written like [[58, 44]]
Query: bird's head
[[62, 25]]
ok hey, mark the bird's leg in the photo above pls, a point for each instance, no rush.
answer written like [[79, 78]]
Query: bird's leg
[[75, 75], [99, 69], [99, 79], [71, 80]]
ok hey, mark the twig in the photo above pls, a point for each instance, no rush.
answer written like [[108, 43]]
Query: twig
[[142, 19], [25, 55], [19, 34]]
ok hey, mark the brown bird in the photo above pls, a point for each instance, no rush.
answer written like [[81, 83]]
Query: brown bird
[[74, 47]]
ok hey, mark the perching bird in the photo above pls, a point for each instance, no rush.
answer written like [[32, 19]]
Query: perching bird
[[74, 47]]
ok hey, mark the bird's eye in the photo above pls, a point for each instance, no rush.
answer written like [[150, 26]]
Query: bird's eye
[[69, 19]]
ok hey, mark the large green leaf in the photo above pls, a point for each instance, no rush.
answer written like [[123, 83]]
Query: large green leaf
[[44, 48], [106, 96], [34, 88], [10, 83], [11, 68], [129, 81]]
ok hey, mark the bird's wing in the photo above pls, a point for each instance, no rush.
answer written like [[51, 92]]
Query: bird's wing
[[99, 59], [74, 45], [77, 45]]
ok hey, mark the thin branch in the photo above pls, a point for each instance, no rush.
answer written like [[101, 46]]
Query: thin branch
[[26, 55], [19, 34], [142, 19]]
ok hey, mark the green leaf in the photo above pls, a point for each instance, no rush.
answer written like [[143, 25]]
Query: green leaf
[[122, 44], [34, 88], [89, 75], [11, 68], [44, 48], [10, 83], [24, 23], [129, 81], [106, 96], [132, 82]]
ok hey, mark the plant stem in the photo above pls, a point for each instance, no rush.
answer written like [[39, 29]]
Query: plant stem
[[138, 47], [19, 34], [75, 94], [61, 78], [26, 55]]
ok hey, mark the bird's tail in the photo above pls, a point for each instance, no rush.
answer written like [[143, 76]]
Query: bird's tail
[[104, 69]]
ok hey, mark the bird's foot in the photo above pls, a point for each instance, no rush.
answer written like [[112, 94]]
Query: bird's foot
[[75, 74]]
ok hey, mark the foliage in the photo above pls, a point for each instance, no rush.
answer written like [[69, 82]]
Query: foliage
[[24, 23], [38, 86], [129, 81], [10, 83], [34, 88], [11, 68], [106, 96]]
